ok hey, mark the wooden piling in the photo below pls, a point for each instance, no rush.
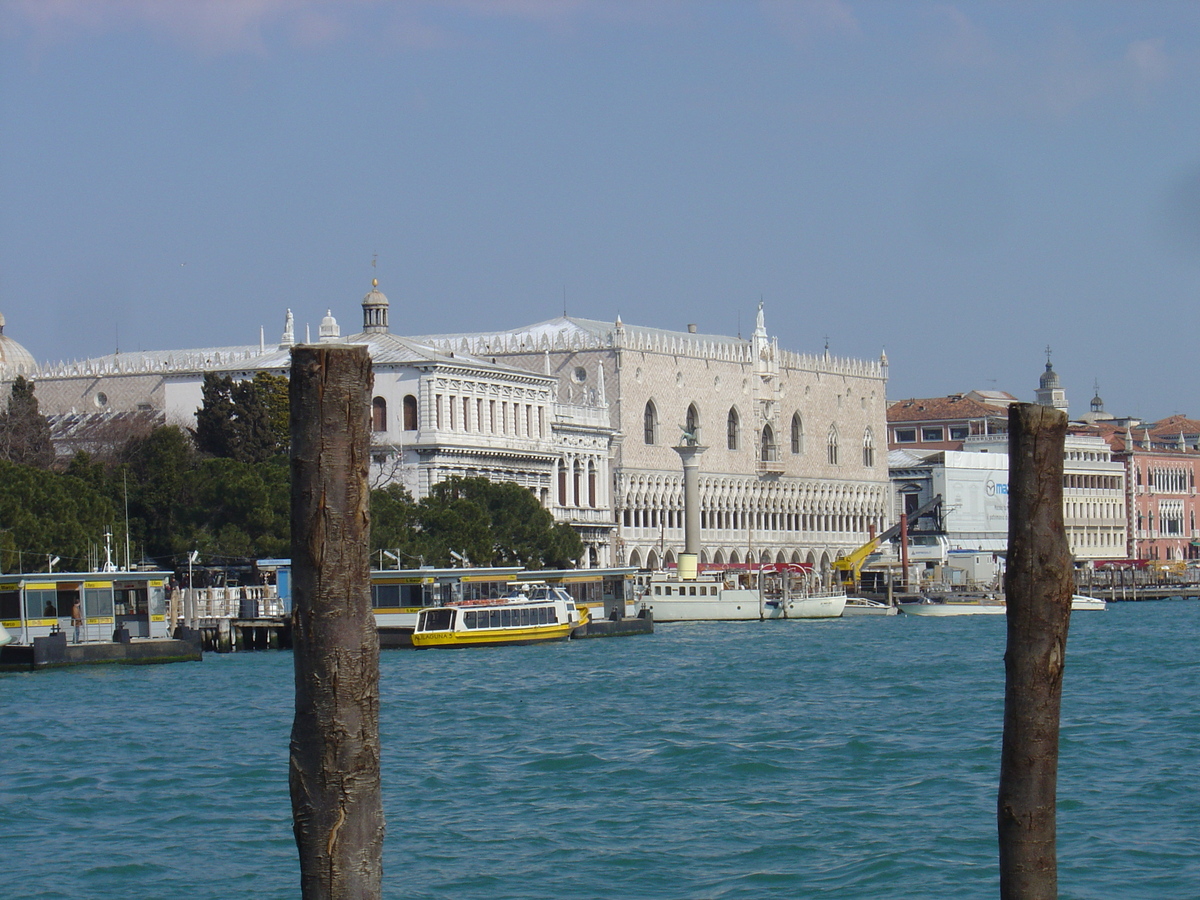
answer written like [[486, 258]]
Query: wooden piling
[[337, 812], [1038, 584]]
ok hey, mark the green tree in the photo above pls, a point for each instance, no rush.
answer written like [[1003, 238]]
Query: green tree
[[50, 514], [394, 524], [160, 471], [243, 420], [495, 523], [24, 431], [239, 509]]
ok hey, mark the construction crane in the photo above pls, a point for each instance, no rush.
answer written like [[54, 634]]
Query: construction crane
[[849, 566]]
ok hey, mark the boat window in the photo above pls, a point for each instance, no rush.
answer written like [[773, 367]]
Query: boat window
[[693, 591], [525, 617], [658, 589], [543, 615], [438, 619], [494, 619], [10, 605], [552, 614], [469, 618], [505, 618]]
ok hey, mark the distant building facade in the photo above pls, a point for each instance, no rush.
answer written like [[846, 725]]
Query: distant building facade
[[585, 415], [1162, 466], [794, 468]]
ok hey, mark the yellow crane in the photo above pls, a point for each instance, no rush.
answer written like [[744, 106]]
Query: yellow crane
[[849, 566]]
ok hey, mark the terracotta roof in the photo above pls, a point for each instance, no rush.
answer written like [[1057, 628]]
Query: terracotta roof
[[938, 409]]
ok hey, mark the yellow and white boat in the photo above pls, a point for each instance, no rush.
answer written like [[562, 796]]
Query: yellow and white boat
[[531, 614]]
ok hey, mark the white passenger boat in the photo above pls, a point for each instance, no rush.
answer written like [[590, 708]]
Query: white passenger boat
[[531, 614], [861, 606], [929, 607], [717, 596]]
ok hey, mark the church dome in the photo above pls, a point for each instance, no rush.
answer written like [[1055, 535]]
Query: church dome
[[1049, 378], [375, 309], [14, 359]]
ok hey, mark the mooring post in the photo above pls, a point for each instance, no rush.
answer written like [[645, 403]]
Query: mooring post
[[224, 636], [337, 811], [1038, 584]]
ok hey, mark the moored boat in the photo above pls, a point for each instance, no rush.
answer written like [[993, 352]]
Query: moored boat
[[531, 614], [721, 595], [928, 606], [862, 606]]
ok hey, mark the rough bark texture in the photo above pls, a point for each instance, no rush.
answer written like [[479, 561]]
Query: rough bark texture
[[1038, 583], [337, 812]]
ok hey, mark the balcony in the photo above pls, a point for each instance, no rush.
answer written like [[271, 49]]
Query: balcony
[[769, 461]]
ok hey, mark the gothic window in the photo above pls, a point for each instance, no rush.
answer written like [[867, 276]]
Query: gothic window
[[379, 414], [768, 444], [731, 430], [650, 423], [692, 424], [868, 449], [410, 413], [797, 434], [832, 445]]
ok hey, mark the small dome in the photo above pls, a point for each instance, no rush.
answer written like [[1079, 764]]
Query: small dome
[[329, 327], [1049, 378], [14, 359], [375, 309], [375, 297]]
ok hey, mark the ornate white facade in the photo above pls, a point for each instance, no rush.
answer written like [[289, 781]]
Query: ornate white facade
[[795, 468], [585, 414]]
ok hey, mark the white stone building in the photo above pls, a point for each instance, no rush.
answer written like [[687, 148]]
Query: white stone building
[[585, 414], [435, 413], [795, 468]]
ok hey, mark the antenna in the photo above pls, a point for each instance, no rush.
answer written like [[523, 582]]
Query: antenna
[[125, 484], [564, 301]]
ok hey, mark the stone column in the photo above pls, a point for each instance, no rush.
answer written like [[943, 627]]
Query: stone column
[[688, 560]]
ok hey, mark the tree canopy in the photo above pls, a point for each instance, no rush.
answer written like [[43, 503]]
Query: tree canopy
[[24, 431], [243, 420], [490, 523]]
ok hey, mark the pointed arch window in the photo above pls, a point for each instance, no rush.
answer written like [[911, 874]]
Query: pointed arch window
[[692, 423], [732, 427], [868, 449], [650, 423], [832, 445], [767, 447], [797, 434]]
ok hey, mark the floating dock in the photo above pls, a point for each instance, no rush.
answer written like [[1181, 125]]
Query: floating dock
[[53, 651]]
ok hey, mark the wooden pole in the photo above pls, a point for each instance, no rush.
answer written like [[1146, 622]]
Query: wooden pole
[[337, 812], [1038, 584]]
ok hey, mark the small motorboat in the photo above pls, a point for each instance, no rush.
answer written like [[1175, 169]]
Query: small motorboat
[[861, 606]]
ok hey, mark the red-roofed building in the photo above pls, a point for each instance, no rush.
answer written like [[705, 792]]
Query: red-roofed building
[[943, 423]]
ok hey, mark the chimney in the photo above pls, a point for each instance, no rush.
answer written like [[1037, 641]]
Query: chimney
[[691, 327]]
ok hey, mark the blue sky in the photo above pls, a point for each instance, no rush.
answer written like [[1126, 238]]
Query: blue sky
[[959, 183]]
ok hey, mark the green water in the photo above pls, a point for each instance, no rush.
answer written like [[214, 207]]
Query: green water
[[854, 758]]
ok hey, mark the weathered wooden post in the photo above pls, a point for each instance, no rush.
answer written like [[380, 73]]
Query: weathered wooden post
[[337, 812], [1038, 583]]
